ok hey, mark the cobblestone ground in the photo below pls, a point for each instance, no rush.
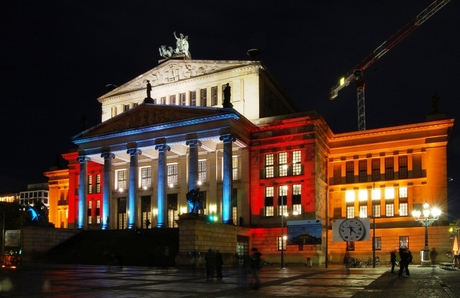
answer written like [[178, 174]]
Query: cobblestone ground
[[99, 281]]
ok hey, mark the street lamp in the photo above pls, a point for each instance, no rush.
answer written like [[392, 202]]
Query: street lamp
[[429, 216]]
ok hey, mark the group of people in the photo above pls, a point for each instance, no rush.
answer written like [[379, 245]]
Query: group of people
[[405, 257], [213, 261]]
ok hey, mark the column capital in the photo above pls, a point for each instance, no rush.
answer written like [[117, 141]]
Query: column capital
[[162, 147], [107, 155], [227, 138], [193, 143], [83, 158], [134, 151]]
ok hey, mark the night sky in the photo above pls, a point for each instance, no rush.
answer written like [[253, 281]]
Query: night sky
[[57, 56]]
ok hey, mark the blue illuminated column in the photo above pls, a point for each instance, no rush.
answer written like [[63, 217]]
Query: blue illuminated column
[[132, 192], [82, 220], [227, 183], [107, 194], [192, 165], [161, 185]]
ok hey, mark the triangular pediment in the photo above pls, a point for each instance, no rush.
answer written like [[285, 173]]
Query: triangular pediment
[[172, 71], [160, 116]]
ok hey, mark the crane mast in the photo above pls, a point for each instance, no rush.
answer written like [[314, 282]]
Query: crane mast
[[356, 74]]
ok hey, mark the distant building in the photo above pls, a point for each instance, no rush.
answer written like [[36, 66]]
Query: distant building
[[9, 197], [252, 163], [35, 193]]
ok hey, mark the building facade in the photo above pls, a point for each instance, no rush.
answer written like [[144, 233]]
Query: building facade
[[226, 129]]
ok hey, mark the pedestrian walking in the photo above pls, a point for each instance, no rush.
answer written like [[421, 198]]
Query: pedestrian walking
[[210, 263], [218, 264], [406, 259], [393, 259], [256, 265]]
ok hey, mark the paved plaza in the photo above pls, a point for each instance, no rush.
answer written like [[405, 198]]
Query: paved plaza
[[98, 281]]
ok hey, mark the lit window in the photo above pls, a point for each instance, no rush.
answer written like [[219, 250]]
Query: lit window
[[113, 111], [404, 241], [389, 210], [281, 243], [202, 170], [282, 164], [296, 199], [235, 167], [98, 183], [363, 211], [403, 209], [173, 176], [269, 194], [269, 166], [350, 195], [90, 206], [350, 211], [378, 243], [403, 192], [389, 193], [377, 212], [146, 177], [362, 195], [296, 162], [98, 211], [121, 180], [376, 194], [90, 184]]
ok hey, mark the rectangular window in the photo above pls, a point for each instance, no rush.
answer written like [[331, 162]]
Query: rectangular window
[[282, 200], [282, 164], [403, 209], [146, 211], [403, 170], [350, 211], [403, 192], [125, 108], [375, 169], [350, 196], [182, 99], [235, 215], [122, 218], [146, 177], [98, 183], [98, 211], [296, 162], [113, 111], [214, 96], [235, 206], [389, 168], [90, 184], [269, 166], [297, 199], [404, 241], [281, 243], [193, 98], [378, 243], [350, 171], [163, 100], [269, 194], [389, 209], [337, 212], [363, 211], [377, 212], [172, 100], [173, 175], [363, 170], [202, 170], [203, 98], [389, 193], [121, 180], [90, 206]]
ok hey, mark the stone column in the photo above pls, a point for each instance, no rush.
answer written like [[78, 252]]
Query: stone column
[[161, 185], [192, 164], [82, 220], [107, 193], [132, 189], [227, 180]]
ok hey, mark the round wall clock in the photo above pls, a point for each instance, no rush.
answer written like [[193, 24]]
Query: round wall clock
[[352, 230]]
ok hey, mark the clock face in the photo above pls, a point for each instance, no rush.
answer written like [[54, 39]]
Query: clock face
[[352, 230]]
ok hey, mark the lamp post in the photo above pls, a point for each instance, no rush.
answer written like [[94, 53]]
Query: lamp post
[[429, 216]]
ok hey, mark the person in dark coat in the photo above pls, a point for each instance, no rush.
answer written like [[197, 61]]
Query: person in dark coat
[[256, 265], [406, 258], [210, 263], [219, 263], [393, 260]]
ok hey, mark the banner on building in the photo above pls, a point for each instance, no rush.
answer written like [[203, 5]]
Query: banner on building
[[351, 229], [12, 238], [304, 231]]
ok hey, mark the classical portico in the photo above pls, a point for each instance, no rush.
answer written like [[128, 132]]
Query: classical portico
[[210, 136]]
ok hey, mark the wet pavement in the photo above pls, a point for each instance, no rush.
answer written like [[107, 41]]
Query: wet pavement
[[98, 281]]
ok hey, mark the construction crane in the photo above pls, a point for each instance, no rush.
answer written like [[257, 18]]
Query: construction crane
[[357, 73]]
